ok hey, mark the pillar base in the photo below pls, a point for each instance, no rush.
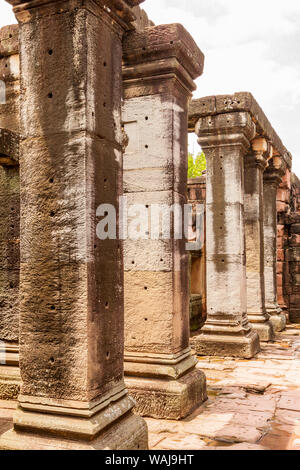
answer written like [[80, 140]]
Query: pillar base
[[264, 330], [278, 319], [9, 382], [245, 346], [128, 433], [167, 398]]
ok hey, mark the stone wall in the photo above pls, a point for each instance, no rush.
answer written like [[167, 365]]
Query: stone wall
[[291, 274]]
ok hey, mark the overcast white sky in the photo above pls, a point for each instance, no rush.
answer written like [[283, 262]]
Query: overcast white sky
[[249, 46]]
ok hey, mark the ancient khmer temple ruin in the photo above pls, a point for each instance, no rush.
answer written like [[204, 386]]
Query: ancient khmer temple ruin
[[119, 342]]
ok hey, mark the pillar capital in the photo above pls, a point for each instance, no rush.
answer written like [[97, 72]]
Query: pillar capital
[[121, 11], [159, 52], [275, 171], [258, 154], [235, 129]]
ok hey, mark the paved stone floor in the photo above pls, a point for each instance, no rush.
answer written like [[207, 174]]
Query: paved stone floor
[[252, 404]]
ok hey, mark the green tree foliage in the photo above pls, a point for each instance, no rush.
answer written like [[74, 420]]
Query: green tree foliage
[[196, 165]]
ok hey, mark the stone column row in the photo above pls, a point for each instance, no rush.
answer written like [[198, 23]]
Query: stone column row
[[242, 180]]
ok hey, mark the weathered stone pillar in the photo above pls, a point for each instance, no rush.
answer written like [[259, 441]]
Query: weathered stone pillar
[[225, 139], [272, 179], [9, 212], [73, 393], [255, 164], [159, 67]]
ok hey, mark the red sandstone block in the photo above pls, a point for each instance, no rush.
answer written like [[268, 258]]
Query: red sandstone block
[[281, 206], [279, 267], [286, 180], [283, 195], [280, 230], [280, 255], [279, 280]]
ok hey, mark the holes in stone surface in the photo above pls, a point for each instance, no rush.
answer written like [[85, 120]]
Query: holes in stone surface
[[146, 319], [104, 64], [6, 66], [50, 95], [161, 260], [146, 118], [147, 206], [107, 355], [12, 226], [146, 146], [95, 246], [10, 306], [146, 288], [52, 214], [51, 180], [50, 52], [10, 36], [52, 307], [132, 262], [144, 48], [106, 305], [171, 42], [93, 114], [11, 285], [104, 104], [105, 180], [52, 360]]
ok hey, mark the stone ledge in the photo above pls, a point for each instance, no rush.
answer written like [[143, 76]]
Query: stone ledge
[[242, 101]]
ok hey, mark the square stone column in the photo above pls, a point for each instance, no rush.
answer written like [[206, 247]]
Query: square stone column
[[9, 212], [225, 139], [255, 164], [159, 67], [73, 394], [272, 180]]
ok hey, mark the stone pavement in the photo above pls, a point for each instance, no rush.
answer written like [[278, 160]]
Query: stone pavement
[[253, 404]]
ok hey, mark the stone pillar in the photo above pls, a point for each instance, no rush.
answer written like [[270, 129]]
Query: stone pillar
[[271, 181], [225, 139], [9, 212], [73, 394], [159, 67], [255, 164]]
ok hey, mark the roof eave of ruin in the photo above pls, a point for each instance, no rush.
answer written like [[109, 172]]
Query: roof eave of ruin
[[242, 101]]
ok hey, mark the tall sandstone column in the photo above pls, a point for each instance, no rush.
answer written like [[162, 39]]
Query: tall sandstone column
[[159, 67], [255, 164], [225, 139], [272, 180], [9, 212], [73, 393]]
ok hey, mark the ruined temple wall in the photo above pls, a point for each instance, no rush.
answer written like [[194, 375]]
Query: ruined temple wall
[[292, 253], [283, 208]]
